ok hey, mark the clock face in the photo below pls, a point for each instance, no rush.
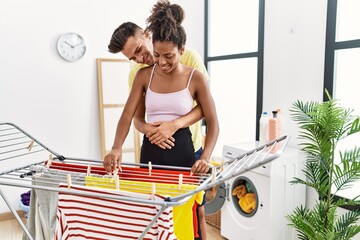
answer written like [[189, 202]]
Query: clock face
[[71, 46]]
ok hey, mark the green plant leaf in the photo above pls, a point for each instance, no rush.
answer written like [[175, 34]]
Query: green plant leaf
[[321, 127]]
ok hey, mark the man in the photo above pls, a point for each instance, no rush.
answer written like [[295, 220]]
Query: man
[[136, 45]]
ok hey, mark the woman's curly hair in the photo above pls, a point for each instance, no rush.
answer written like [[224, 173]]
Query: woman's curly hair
[[165, 23]]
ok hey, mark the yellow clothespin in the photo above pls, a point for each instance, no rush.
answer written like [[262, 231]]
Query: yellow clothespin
[[30, 145]]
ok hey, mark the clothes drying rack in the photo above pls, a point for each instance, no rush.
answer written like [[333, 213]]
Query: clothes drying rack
[[22, 156]]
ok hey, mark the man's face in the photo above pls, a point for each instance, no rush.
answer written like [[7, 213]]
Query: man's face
[[139, 48]]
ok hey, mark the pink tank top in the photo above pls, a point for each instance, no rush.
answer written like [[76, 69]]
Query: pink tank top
[[167, 106]]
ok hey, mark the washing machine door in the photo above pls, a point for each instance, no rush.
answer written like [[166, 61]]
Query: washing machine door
[[215, 198]]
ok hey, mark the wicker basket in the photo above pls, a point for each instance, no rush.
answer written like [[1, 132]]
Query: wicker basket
[[214, 219]]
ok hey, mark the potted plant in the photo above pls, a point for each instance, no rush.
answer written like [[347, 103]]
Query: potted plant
[[322, 126]]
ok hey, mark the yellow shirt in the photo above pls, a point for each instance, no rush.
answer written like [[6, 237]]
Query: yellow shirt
[[182, 215], [191, 58]]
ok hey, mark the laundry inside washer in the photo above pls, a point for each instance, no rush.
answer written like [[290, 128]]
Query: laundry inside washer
[[244, 196]]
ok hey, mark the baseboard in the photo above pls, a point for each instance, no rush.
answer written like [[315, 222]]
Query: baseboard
[[9, 215]]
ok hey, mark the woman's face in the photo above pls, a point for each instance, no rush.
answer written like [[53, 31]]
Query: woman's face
[[167, 55]]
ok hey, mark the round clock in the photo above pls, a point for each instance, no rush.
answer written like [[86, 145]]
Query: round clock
[[71, 46]]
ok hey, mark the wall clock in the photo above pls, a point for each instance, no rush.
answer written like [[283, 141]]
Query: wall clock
[[71, 46]]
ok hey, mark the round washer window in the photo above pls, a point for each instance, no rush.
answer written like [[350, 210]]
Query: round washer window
[[244, 196]]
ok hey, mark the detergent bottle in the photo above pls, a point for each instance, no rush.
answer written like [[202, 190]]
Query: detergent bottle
[[263, 130], [274, 130]]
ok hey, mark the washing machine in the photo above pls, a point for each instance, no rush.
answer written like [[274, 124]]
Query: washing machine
[[261, 216]]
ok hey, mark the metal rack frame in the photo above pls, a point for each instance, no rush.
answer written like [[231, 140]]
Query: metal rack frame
[[27, 156]]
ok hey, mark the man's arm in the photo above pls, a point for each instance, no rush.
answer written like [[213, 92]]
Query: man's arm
[[160, 133], [166, 129]]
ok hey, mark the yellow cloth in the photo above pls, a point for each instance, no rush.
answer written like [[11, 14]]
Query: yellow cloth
[[191, 58], [182, 215], [248, 202]]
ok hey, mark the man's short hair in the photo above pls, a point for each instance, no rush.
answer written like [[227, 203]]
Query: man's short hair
[[121, 35]]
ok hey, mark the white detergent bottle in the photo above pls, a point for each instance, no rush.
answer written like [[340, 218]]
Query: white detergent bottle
[[263, 130]]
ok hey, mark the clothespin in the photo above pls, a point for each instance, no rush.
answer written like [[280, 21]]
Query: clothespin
[[213, 173], [150, 168], [153, 191], [88, 171], [49, 162], [117, 182], [68, 178], [30, 145], [180, 180], [115, 174]]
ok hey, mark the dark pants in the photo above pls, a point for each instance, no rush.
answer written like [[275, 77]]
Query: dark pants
[[182, 154]]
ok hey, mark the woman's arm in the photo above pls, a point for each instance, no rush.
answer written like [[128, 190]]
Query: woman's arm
[[200, 87], [114, 157]]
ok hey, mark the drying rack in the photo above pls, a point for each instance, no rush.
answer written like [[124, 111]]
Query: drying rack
[[22, 156]]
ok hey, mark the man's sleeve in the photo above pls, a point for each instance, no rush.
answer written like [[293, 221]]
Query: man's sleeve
[[197, 62], [133, 73]]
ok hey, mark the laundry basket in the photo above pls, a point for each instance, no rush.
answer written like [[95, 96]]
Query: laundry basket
[[214, 219]]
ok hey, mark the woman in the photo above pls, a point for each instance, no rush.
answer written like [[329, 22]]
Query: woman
[[170, 88]]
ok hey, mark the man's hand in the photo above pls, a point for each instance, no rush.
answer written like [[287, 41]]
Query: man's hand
[[161, 134], [112, 160]]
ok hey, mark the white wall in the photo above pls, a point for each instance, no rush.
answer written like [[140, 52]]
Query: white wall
[[54, 100], [293, 55]]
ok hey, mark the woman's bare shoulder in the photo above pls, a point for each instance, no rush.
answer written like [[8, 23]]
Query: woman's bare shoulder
[[144, 73]]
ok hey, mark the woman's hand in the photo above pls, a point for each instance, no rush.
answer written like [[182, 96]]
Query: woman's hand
[[112, 160], [200, 166]]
